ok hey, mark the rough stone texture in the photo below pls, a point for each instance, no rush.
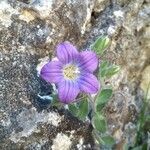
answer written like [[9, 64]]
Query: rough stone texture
[[30, 30]]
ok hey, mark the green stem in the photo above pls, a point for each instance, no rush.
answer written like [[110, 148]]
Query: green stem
[[91, 100], [142, 116]]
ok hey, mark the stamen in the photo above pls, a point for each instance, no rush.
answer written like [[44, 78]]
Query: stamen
[[71, 72]]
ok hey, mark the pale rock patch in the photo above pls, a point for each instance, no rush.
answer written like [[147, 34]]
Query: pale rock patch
[[62, 142], [28, 120], [27, 16], [6, 11], [44, 7]]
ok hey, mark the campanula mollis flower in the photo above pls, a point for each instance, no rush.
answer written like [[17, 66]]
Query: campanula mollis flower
[[72, 72]]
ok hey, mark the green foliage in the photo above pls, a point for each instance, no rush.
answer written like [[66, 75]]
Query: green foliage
[[55, 101], [73, 109], [100, 45], [95, 104], [125, 147], [103, 98], [142, 121], [137, 148], [141, 141], [147, 118], [108, 140], [99, 123], [105, 140], [83, 109], [80, 109], [108, 70]]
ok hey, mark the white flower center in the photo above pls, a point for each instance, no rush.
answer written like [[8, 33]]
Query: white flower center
[[71, 72]]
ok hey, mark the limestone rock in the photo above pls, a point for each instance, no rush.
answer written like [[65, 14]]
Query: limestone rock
[[30, 30]]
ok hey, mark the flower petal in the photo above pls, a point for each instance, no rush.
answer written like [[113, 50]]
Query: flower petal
[[88, 83], [67, 91], [52, 72], [66, 52], [88, 61]]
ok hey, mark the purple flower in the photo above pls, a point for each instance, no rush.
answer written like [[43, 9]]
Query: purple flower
[[72, 73]]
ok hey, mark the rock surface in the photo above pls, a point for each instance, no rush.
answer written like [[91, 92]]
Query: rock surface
[[30, 30]]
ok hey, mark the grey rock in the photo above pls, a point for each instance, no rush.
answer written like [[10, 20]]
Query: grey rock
[[30, 30]]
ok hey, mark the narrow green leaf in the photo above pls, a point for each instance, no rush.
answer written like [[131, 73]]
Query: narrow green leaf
[[125, 146], [112, 70], [73, 109], [145, 146], [103, 98], [104, 64], [80, 109], [100, 45], [103, 68], [147, 118], [137, 148], [99, 123], [108, 70], [83, 109], [108, 140], [97, 137]]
